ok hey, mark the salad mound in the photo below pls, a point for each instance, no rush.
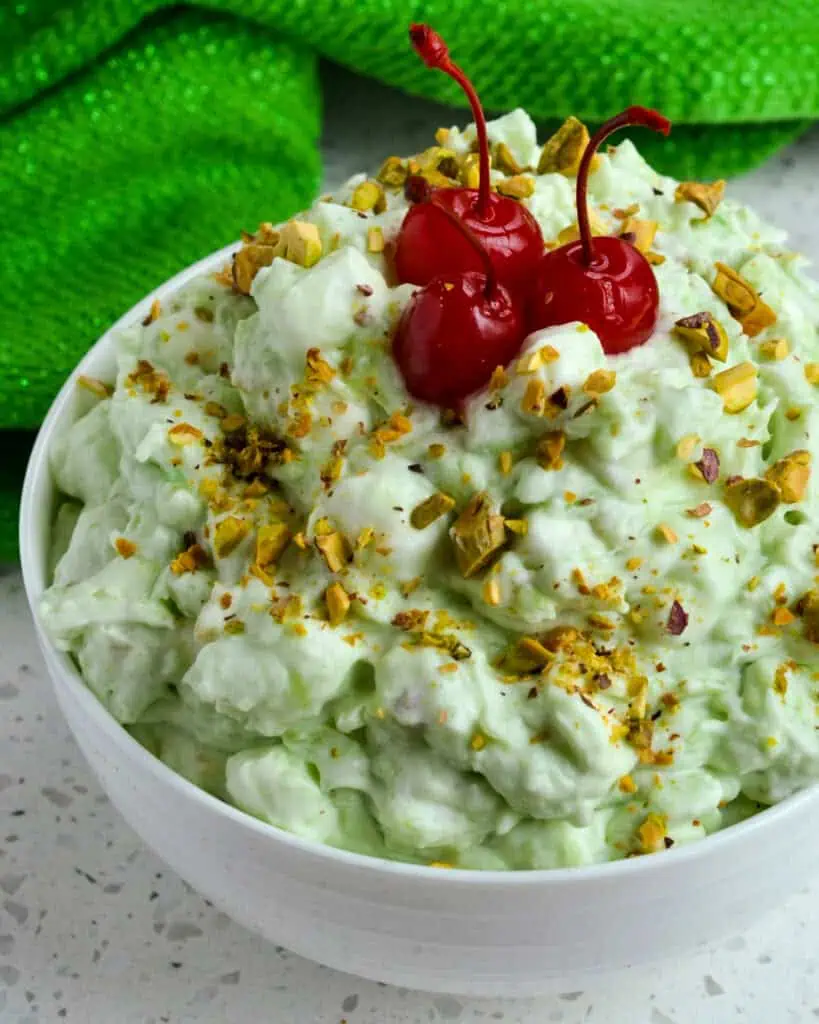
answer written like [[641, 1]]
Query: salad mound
[[571, 621]]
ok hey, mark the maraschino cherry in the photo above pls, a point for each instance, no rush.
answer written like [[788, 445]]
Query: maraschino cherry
[[429, 243], [458, 327], [603, 282]]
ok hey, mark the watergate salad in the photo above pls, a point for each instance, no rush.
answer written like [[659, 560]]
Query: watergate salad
[[570, 618]]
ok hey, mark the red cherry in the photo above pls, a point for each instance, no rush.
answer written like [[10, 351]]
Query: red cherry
[[606, 282], [616, 295], [453, 334], [429, 245], [456, 330]]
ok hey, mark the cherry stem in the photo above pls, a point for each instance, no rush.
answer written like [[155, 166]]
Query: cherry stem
[[474, 241], [636, 116], [434, 52]]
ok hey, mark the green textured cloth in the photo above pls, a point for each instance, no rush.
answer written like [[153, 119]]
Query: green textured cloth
[[136, 137]]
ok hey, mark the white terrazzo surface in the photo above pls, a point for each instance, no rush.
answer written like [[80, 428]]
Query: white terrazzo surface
[[94, 929]]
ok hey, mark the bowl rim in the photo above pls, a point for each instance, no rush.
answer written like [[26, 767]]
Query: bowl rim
[[33, 561]]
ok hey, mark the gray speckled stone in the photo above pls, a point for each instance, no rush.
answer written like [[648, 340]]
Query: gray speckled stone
[[94, 928]]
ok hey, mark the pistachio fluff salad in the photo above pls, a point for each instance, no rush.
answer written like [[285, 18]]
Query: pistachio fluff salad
[[573, 621]]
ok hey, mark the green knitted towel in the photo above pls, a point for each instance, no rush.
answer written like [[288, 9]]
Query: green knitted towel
[[135, 138]]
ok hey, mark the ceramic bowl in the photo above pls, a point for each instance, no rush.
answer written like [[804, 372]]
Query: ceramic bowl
[[461, 932]]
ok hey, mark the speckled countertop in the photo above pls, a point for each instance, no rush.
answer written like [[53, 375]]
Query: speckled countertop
[[94, 929]]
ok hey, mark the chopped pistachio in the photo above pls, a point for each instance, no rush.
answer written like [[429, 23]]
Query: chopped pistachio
[[667, 533], [737, 386], [743, 300], [369, 195], [436, 451], [706, 196], [783, 617], [527, 656], [564, 150], [153, 313], [215, 409], [448, 642], [686, 446], [503, 159], [412, 620], [271, 540], [791, 475], [491, 592], [599, 382], [776, 349], [812, 373], [518, 526], [331, 470], [572, 232], [652, 833], [337, 601], [248, 261], [505, 463], [470, 171], [302, 243], [190, 560], [393, 172], [317, 370], [375, 239], [266, 234], [228, 534], [707, 466], [530, 363], [335, 550], [640, 233], [808, 609], [700, 511], [752, 501], [704, 333], [737, 294], [366, 535], [760, 317], [534, 397], [700, 365], [549, 450], [521, 186], [438, 159], [477, 534], [182, 434], [125, 547], [478, 741], [431, 509]]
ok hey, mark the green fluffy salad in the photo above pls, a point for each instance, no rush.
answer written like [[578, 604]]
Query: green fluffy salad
[[575, 622]]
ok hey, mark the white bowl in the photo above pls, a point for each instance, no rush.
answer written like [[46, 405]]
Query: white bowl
[[467, 933]]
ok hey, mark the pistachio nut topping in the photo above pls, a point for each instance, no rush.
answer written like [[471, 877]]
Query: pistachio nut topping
[[704, 333], [706, 196]]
